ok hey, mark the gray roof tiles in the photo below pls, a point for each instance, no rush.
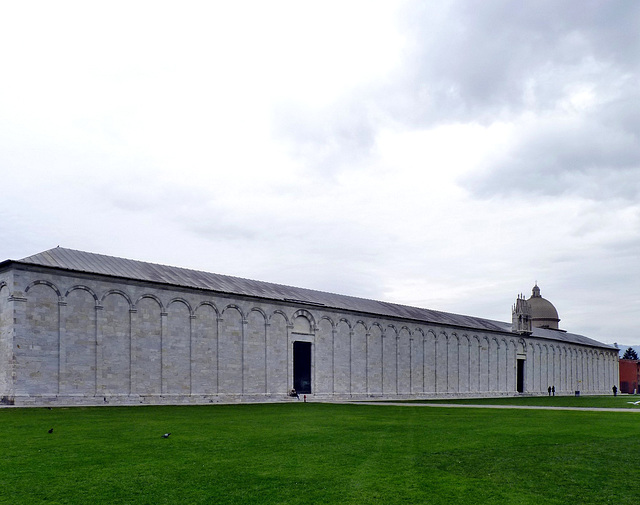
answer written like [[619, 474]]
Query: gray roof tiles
[[79, 261]]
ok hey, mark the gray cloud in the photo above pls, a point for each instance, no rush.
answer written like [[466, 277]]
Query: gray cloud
[[486, 63], [463, 63], [495, 63], [580, 158]]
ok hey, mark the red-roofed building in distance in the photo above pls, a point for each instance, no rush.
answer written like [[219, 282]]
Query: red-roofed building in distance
[[629, 375]]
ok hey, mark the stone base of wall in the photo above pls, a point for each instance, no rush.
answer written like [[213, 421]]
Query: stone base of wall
[[168, 399], [116, 400]]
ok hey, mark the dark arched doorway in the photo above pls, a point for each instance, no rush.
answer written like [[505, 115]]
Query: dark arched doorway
[[302, 367]]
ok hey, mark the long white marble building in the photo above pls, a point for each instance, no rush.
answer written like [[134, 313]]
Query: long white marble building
[[83, 328]]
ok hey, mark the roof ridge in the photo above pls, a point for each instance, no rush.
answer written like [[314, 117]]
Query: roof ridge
[[313, 290], [187, 269], [125, 268]]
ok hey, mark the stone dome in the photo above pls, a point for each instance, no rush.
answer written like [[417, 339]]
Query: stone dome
[[543, 313]]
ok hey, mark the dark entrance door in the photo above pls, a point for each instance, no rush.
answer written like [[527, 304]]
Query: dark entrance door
[[520, 378], [302, 367]]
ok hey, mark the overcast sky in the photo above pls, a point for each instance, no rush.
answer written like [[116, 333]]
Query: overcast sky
[[440, 154]]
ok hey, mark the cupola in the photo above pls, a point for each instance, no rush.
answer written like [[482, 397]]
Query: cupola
[[543, 313]]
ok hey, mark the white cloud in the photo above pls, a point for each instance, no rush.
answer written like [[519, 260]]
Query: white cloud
[[428, 154]]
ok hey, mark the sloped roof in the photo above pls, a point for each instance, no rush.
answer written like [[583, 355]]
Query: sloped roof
[[80, 261]]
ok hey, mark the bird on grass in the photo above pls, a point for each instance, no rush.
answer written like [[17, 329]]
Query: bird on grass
[[635, 403], [50, 431], [166, 435]]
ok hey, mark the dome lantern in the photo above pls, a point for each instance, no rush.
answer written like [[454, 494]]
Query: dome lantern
[[543, 313]]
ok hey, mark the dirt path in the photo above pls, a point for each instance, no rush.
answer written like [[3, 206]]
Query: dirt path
[[470, 406]]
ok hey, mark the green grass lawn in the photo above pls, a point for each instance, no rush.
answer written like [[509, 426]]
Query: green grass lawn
[[310, 453]]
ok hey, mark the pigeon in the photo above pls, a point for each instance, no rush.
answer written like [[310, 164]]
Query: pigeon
[[51, 430], [166, 435]]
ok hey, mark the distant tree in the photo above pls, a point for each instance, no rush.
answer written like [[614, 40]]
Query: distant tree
[[630, 353]]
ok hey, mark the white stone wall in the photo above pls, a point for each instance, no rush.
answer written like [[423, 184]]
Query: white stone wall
[[87, 339], [570, 368], [5, 338]]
